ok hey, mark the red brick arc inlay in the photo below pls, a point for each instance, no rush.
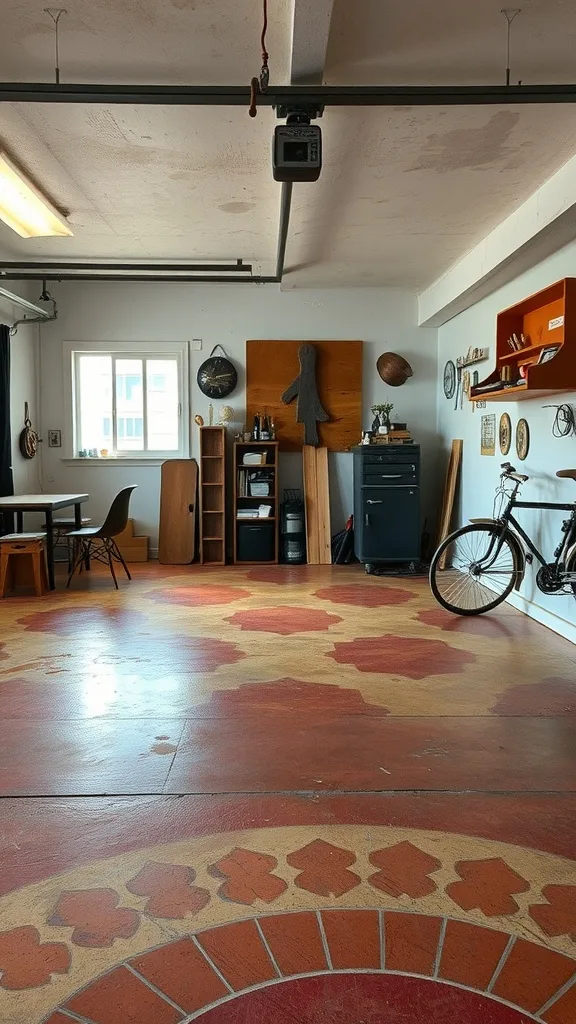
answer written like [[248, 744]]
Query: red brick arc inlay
[[364, 596], [283, 574], [95, 917], [492, 626], [324, 868], [532, 975], [284, 620], [85, 621], [198, 596], [251, 952], [170, 890], [488, 885], [295, 942], [558, 915], [26, 962], [413, 657], [405, 870], [183, 973]]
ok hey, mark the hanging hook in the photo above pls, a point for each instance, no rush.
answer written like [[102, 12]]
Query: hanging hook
[[56, 13], [44, 297], [509, 13]]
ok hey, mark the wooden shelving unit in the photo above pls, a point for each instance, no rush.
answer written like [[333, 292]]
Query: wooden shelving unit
[[546, 319], [243, 499], [213, 495]]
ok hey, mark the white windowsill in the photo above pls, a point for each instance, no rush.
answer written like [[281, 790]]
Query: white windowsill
[[129, 461]]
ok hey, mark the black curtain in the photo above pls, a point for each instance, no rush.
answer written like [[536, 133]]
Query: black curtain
[[6, 479]]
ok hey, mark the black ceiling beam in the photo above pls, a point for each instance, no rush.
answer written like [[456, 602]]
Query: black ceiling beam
[[320, 95], [40, 275], [188, 268]]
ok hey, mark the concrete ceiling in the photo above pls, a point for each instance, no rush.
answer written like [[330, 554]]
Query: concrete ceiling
[[404, 192]]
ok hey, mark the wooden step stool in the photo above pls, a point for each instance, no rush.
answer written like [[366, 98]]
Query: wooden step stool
[[20, 551], [132, 548]]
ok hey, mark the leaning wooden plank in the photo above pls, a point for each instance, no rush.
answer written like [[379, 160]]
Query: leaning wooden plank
[[323, 515], [449, 496], [311, 504], [177, 534]]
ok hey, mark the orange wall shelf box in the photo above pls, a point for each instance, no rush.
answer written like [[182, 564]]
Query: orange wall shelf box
[[546, 319]]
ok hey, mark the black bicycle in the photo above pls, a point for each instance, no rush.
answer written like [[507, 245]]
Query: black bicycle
[[478, 566]]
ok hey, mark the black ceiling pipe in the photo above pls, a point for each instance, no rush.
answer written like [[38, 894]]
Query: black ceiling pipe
[[318, 95], [285, 206], [189, 268], [41, 275]]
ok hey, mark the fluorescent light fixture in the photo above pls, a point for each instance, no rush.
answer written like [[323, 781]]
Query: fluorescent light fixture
[[23, 208]]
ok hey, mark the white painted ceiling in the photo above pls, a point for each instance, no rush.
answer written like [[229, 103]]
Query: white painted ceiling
[[404, 193]]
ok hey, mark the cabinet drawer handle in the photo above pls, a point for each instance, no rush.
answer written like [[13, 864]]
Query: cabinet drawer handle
[[391, 476], [374, 501]]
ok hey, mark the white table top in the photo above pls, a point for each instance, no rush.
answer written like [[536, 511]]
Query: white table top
[[40, 502]]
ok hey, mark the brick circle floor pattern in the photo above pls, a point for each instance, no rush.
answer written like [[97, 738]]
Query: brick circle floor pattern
[[194, 975]]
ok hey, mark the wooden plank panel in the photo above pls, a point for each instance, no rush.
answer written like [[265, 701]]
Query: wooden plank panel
[[272, 365], [311, 504], [449, 496], [323, 517], [177, 533]]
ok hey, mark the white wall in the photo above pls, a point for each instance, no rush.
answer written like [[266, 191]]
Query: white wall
[[23, 388], [477, 327], [228, 314]]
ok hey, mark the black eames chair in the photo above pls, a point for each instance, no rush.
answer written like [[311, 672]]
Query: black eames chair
[[98, 542]]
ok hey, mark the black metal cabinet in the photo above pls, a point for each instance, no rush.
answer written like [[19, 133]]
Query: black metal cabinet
[[387, 503]]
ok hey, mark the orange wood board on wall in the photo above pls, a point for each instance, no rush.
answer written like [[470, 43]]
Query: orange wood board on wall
[[272, 365]]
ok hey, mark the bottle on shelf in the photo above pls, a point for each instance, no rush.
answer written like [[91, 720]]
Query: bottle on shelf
[[256, 428], [265, 432], [272, 430]]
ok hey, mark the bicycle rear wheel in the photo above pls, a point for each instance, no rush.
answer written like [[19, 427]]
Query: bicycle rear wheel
[[480, 570]]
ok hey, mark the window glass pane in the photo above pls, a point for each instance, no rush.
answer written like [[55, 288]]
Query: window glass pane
[[162, 395], [94, 402], [129, 404]]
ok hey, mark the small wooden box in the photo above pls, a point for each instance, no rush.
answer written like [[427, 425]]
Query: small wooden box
[[132, 548]]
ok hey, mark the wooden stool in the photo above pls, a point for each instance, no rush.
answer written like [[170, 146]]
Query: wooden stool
[[17, 545]]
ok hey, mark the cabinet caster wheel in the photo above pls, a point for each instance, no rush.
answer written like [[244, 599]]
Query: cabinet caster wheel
[[368, 568]]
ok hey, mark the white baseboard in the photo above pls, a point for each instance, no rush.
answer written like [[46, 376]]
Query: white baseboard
[[542, 615]]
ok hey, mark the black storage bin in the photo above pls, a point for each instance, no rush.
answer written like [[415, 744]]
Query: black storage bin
[[255, 542]]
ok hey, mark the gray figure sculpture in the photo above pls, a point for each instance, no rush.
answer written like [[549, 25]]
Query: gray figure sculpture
[[310, 411]]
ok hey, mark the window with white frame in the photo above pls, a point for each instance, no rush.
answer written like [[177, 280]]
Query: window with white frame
[[129, 400]]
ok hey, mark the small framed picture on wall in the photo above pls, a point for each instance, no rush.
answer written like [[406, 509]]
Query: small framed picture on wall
[[488, 435], [54, 438]]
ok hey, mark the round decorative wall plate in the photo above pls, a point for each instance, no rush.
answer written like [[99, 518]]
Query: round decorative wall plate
[[522, 439], [505, 433], [449, 379]]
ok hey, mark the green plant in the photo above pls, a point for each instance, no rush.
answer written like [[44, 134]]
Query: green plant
[[385, 408]]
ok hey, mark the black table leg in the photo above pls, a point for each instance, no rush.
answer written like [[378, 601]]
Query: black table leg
[[19, 522], [78, 516], [50, 548]]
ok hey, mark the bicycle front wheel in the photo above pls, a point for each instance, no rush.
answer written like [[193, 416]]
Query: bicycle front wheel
[[473, 570]]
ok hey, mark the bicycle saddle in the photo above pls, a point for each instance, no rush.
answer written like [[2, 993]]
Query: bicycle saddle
[[569, 474]]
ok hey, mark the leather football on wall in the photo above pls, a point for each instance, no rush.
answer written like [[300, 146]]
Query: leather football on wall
[[394, 369]]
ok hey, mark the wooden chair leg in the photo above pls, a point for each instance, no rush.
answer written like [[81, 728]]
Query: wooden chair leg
[[37, 571], [4, 560]]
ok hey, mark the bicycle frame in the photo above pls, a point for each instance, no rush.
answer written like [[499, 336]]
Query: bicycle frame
[[508, 520]]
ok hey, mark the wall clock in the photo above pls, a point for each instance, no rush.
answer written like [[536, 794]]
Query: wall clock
[[217, 376], [522, 439], [505, 433], [449, 379]]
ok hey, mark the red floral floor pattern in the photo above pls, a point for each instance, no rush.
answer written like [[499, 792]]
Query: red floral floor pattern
[[364, 596], [403, 656], [167, 984], [283, 620], [198, 597]]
